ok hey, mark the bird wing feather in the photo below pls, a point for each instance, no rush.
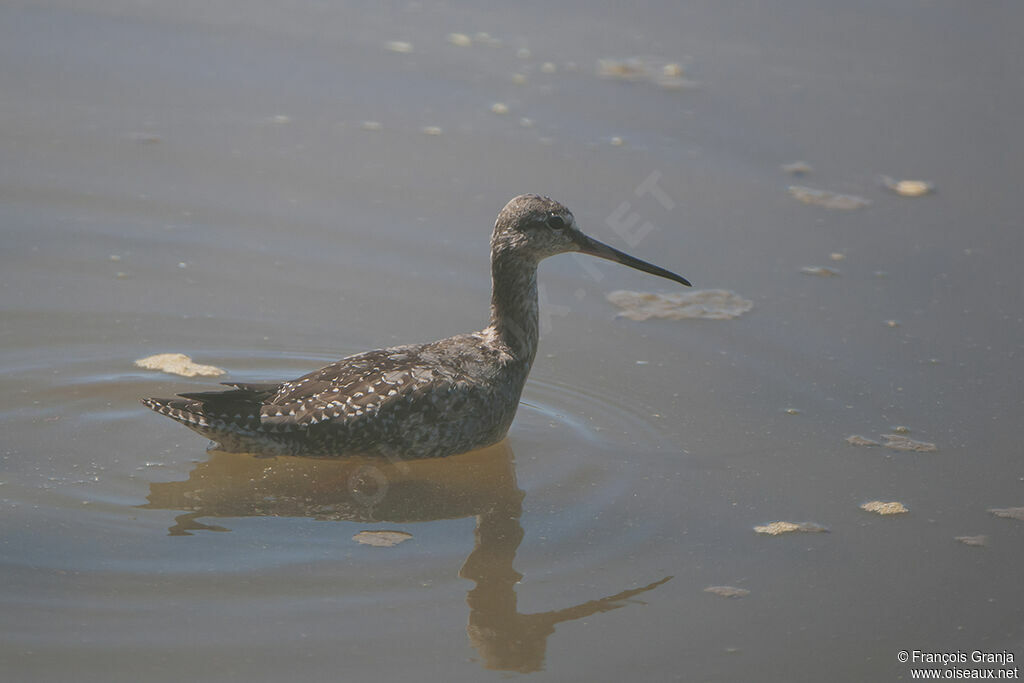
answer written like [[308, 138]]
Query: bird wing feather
[[355, 387]]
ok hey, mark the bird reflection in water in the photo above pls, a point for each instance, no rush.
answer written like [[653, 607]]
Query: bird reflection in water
[[480, 484]]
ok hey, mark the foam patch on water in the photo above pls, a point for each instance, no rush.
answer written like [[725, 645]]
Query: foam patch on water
[[819, 271], [975, 541], [899, 442], [829, 200], [671, 75], [908, 188], [883, 508], [178, 364], [777, 528], [727, 591], [707, 304], [1009, 513]]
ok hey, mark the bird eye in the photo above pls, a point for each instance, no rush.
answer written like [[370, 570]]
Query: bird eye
[[556, 223]]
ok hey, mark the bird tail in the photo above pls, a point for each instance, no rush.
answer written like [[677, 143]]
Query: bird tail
[[238, 408]]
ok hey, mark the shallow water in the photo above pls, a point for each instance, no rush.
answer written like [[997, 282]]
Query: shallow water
[[200, 179]]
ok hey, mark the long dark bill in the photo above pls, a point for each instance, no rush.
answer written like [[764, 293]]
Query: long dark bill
[[589, 245]]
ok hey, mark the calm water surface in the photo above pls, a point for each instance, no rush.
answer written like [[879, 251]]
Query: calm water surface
[[202, 179]]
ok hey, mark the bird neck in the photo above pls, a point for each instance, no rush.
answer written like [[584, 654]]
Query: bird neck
[[514, 312]]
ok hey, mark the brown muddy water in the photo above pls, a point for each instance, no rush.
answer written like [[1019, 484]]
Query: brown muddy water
[[270, 187]]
